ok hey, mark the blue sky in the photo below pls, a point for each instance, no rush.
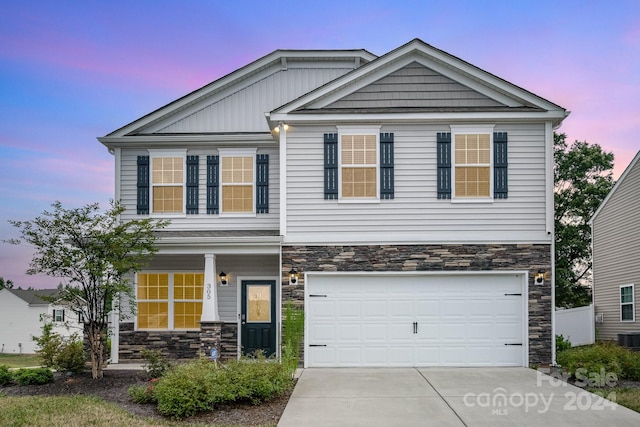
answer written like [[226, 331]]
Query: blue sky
[[71, 71]]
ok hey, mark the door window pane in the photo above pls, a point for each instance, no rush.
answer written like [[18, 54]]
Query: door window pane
[[259, 303]]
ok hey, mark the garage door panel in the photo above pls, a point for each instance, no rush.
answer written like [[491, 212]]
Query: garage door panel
[[431, 320]]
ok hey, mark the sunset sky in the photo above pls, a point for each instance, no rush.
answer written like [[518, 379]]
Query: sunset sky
[[71, 71]]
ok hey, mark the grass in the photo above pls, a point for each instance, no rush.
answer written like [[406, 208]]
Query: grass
[[629, 397], [71, 411], [20, 360]]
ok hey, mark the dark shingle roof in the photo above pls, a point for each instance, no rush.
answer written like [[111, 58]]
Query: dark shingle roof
[[33, 296]]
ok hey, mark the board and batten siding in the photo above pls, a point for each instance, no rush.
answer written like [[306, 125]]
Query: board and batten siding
[[415, 214], [202, 220], [243, 110], [616, 255]]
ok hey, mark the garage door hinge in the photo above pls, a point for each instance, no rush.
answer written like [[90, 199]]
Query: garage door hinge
[[518, 295], [513, 343], [317, 296], [317, 345]]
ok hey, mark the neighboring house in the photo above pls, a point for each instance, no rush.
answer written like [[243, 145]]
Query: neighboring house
[[23, 313], [404, 201], [616, 257]]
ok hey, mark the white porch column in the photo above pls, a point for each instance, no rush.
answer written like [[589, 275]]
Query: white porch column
[[210, 296]]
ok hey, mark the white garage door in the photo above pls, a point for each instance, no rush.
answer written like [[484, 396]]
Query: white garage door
[[430, 320]]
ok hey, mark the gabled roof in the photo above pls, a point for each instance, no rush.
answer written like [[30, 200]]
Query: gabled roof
[[498, 95], [617, 185], [236, 78], [34, 296]]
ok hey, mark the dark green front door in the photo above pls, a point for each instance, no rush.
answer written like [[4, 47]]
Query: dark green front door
[[258, 317]]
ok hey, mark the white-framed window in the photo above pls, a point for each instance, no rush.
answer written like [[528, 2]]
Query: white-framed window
[[169, 300], [58, 315], [237, 181], [627, 303], [359, 170], [168, 174], [472, 162]]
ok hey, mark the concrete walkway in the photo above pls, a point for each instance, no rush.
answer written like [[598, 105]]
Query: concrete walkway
[[445, 397]]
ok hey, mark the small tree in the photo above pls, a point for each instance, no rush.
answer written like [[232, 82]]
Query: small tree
[[583, 176], [8, 284], [94, 251]]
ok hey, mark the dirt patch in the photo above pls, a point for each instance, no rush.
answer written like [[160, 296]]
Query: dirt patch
[[113, 388]]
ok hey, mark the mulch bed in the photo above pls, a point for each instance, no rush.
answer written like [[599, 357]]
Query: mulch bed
[[113, 388]]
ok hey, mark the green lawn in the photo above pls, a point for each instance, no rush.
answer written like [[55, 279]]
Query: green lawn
[[72, 411], [20, 360], [629, 397]]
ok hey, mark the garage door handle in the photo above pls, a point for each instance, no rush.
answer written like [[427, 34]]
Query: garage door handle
[[513, 344], [317, 345], [317, 296], [513, 295], [415, 327]]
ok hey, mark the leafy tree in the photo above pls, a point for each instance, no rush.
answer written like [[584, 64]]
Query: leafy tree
[[94, 251], [583, 176], [8, 284]]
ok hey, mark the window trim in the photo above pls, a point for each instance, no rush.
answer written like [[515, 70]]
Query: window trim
[[359, 130], [171, 300], [168, 153], [58, 310], [632, 303], [468, 130], [237, 152]]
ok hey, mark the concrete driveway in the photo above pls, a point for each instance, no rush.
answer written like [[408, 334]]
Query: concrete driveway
[[445, 397]]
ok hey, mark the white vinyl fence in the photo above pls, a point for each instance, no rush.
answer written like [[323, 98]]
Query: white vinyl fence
[[576, 324]]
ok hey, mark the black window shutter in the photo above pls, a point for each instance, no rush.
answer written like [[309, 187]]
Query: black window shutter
[[213, 190], [386, 166], [262, 183], [143, 185], [192, 184], [500, 179], [330, 165], [443, 143]]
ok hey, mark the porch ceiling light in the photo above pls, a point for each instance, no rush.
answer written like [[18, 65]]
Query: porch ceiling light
[[223, 278], [293, 276]]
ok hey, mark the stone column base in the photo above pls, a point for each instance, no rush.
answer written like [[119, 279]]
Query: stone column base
[[210, 337]]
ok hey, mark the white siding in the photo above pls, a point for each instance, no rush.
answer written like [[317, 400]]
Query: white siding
[[416, 213], [242, 108], [202, 220], [616, 254]]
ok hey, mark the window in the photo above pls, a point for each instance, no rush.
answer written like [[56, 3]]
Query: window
[[167, 179], [627, 309], [237, 184], [472, 156], [169, 300], [359, 166], [58, 315]]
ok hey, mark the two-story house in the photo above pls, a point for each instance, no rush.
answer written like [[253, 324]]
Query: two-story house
[[404, 201]]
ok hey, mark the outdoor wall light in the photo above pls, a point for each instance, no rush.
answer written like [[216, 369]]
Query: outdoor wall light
[[223, 278], [540, 277], [293, 276]]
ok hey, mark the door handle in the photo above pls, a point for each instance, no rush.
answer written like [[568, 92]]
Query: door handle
[[415, 327]]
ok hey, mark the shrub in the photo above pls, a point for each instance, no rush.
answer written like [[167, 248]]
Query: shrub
[[143, 394], [70, 357], [6, 376], [36, 376], [49, 344], [156, 364], [198, 386], [607, 357], [562, 344]]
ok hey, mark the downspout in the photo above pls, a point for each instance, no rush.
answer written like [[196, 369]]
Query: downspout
[[550, 206]]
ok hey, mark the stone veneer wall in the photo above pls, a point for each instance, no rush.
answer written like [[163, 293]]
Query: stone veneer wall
[[381, 258], [176, 344]]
